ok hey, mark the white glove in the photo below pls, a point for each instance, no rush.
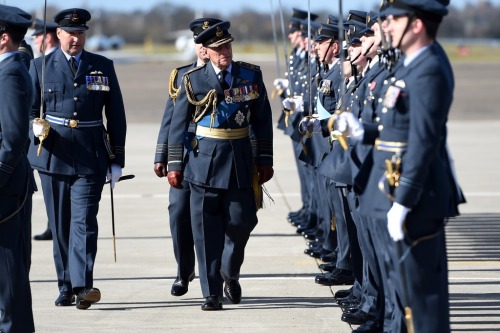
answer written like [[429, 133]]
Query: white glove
[[281, 84], [114, 174], [295, 104], [37, 130], [347, 122], [395, 219], [310, 125]]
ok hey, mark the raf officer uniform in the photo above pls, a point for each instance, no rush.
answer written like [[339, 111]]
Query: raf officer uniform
[[325, 104], [15, 97], [222, 165], [179, 208], [77, 153]]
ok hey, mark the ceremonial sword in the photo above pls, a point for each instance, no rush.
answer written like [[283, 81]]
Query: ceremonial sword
[[113, 208]]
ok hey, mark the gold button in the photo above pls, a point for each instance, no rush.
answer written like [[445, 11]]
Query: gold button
[[73, 123], [384, 110], [380, 128], [377, 119]]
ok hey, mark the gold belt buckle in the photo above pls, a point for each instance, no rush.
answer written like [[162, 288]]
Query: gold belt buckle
[[73, 123]]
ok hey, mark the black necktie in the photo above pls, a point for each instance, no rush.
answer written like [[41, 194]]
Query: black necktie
[[222, 80], [74, 66]]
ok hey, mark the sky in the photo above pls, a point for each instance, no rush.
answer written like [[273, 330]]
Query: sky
[[225, 7]]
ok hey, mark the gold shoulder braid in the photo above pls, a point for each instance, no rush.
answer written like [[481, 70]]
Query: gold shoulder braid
[[248, 65], [203, 105], [172, 90]]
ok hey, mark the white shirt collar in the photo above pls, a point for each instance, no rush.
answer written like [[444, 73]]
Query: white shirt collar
[[218, 70], [5, 55], [409, 59], [77, 56]]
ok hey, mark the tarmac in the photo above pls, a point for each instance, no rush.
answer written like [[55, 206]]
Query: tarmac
[[279, 293]]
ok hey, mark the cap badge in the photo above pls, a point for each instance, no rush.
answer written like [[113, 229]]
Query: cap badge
[[219, 32], [74, 17], [205, 25]]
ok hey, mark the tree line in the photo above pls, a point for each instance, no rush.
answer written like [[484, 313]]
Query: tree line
[[160, 23]]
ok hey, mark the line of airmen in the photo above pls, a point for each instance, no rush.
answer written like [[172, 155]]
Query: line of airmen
[[369, 137]]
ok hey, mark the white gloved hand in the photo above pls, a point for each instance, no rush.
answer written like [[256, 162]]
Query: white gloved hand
[[114, 174], [295, 104], [347, 122], [38, 129], [281, 84], [310, 125], [395, 219]]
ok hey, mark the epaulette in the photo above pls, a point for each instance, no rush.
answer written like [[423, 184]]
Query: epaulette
[[195, 69], [249, 66], [26, 50], [172, 89], [188, 65]]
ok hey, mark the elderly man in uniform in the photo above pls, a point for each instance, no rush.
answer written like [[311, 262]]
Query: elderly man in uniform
[[15, 97], [76, 153], [179, 209], [223, 98], [411, 184]]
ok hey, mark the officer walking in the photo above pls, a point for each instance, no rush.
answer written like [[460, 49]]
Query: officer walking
[[223, 98], [15, 97], [179, 209], [76, 153]]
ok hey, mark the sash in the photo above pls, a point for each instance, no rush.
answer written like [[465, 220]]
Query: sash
[[322, 112], [224, 109]]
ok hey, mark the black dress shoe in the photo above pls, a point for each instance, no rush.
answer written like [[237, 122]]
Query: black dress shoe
[[329, 267], [180, 286], [342, 293], [86, 297], [309, 235], [356, 318], [348, 302], [212, 303], [65, 298], [352, 307], [336, 278], [328, 256], [232, 290], [369, 327], [46, 235], [314, 252]]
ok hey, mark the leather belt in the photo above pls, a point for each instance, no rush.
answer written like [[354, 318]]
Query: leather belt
[[73, 123], [222, 133], [391, 146]]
